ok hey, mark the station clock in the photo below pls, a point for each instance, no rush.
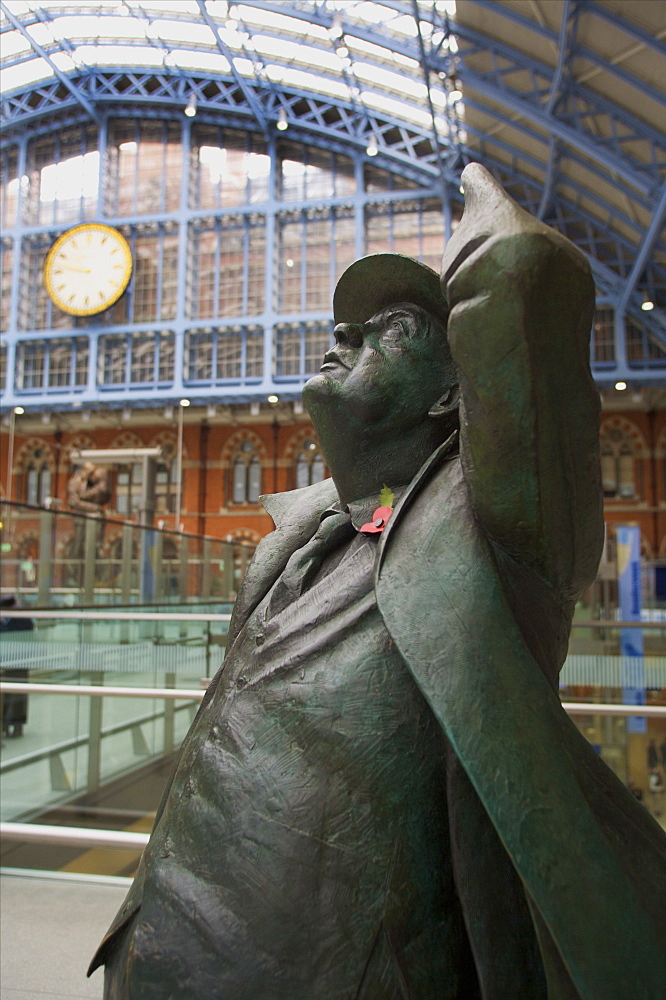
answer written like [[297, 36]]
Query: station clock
[[88, 268]]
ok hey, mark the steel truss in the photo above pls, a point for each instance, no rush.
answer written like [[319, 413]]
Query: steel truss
[[569, 121]]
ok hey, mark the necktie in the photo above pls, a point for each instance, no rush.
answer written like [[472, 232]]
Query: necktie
[[305, 562]]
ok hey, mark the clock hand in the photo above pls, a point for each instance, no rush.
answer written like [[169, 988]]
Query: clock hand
[[73, 267]]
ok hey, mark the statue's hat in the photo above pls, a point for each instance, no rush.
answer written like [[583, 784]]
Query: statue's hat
[[374, 282]]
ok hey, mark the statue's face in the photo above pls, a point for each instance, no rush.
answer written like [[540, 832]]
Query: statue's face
[[384, 375]]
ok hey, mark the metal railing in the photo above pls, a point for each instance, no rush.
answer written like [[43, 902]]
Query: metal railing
[[94, 646], [52, 558], [86, 838]]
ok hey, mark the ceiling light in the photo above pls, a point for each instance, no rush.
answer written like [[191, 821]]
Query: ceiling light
[[455, 95], [184, 402], [289, 262], [273, 399], [647, 305], [18, 410], [191, 108], [282, 122], [372, 148], [335, 31], [620, 386]]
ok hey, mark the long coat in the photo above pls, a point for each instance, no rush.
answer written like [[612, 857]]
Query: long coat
[[476, 578]]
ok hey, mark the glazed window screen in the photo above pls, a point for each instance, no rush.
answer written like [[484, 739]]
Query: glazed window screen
[[61, 356], [226, 267], [9, 187], [154, 285], [30, 364], [228, 168], [415, 229], [81, 360], [52, 364], [35, 309], [215, 356], [62, 177], [300, 348], [229, 355], [641, 347], [167, 351], [112, 359], [314, 248], [307, 172], [199, 356], [603, 341], [144, 167], [6, 265]]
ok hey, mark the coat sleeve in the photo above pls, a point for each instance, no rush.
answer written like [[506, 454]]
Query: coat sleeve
[[522, 299]]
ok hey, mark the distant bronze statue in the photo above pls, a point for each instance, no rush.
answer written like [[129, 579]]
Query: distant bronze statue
[[381, 797], [88, 489]]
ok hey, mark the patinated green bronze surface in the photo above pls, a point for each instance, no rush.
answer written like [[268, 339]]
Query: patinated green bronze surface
[[381, 797]]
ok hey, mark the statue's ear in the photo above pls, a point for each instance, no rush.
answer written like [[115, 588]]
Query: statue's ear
[[446, 404]]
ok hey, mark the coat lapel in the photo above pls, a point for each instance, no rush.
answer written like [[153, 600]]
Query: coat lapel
[[296, 516]]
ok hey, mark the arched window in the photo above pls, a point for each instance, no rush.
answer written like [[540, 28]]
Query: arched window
[[310, 466], [36, 478], [620, 462], [246, 474], [129, 483]]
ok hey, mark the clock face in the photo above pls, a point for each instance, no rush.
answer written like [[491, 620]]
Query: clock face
[[88, 268]]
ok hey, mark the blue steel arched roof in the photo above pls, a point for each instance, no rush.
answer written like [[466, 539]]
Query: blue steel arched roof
[[563, 100]]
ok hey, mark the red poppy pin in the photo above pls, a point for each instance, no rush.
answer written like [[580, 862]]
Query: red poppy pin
[[381, 515]]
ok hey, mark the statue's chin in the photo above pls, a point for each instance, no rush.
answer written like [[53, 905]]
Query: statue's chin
[[320, 388]]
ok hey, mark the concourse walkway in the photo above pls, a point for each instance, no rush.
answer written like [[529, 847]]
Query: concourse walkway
[[50, 925]]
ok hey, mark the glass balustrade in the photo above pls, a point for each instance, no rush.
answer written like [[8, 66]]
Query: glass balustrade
[[53, 558], [102, 762]]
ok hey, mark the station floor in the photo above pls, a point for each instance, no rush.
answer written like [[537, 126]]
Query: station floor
[[50, 926]]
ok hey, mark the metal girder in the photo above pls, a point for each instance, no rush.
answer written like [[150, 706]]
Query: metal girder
[[628, 28], [62, 77], [567, 33], [607, 151], [426, 79], [335, 125], [644, 250], [515, 16], [228, 55]]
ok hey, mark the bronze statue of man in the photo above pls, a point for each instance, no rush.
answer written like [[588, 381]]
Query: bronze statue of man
[[381, 797]]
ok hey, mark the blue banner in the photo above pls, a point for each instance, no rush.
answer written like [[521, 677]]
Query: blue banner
[[631, 639]]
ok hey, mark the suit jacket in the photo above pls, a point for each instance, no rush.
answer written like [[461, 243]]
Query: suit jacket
[[476, 577]]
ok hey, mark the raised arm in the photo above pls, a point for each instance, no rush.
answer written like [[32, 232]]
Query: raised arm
[[521, 299]]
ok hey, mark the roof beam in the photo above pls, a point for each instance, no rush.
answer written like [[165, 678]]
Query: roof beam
[[426, 79], [608, 65], [64, 79], [228, 55], [628, 28], [572, 137], [568, 27], [644, 251]]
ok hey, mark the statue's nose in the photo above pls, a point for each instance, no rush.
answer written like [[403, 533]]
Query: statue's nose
[[348, 334]]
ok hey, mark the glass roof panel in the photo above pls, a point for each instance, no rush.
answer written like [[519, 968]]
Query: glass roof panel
[[339, 58], [13, 44]]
